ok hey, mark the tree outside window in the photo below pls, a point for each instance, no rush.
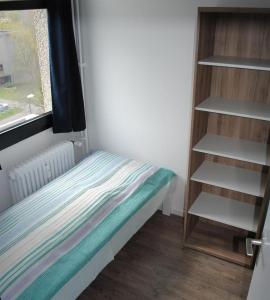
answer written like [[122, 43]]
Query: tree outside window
[[25, 90]]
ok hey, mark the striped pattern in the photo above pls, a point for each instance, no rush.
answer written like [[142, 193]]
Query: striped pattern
[[31, 175], [38, 232]]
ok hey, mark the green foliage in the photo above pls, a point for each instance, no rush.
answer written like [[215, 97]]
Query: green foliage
[[20, 25], [10, 112], [20, 92]]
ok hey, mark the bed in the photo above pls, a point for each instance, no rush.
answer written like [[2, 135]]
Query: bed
[[54, 243]]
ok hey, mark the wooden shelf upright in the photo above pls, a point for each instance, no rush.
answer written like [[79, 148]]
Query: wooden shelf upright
[[228, 181]]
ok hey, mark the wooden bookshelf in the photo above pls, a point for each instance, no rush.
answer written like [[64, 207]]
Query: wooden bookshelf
[[226, 211], [237, 62], [239, 149], [222, 242], [245, 109], [231, 178], [229, 149]]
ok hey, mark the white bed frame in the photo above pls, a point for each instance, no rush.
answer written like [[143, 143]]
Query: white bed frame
[[88, 274]]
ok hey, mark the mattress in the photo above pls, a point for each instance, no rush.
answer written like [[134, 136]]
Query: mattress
[[105, 255], [46, 239]]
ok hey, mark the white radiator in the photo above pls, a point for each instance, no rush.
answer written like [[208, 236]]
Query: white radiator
[[33, 174]]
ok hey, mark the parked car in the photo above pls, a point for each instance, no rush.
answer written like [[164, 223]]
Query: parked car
[[3, 107]]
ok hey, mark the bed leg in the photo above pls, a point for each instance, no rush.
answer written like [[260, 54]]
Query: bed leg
[[167, 202], [166, 207]]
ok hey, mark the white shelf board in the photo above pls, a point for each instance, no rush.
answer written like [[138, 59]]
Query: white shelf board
[[245, 109], [236, 62], [226, 211], [232, 178], [244, 150]]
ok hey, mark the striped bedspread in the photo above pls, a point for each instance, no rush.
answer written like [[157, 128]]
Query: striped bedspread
[[48, 237]]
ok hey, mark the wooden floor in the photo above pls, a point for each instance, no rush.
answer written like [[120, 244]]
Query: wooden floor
[[153, 265]]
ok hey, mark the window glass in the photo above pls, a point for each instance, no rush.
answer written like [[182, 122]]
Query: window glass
[[25, 90]]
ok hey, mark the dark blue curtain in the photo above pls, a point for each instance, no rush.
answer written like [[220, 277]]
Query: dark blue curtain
[[67, 97]]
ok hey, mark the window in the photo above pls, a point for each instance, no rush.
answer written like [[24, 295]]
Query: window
[[25, 90]]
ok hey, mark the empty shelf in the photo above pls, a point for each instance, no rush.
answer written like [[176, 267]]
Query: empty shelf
[[232, 178], [236, 62], [244, 109], [219, 241], [234, 148], [226, 211]]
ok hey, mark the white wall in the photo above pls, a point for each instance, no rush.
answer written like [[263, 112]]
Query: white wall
[[139, 75], [18, 153]]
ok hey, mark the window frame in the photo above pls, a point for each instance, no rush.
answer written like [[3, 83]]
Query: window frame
[[26, 129]]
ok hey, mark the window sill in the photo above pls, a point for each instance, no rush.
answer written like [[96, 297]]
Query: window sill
[[25, 130]]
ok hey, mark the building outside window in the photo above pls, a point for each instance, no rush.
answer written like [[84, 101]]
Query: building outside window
[[25, 90]]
